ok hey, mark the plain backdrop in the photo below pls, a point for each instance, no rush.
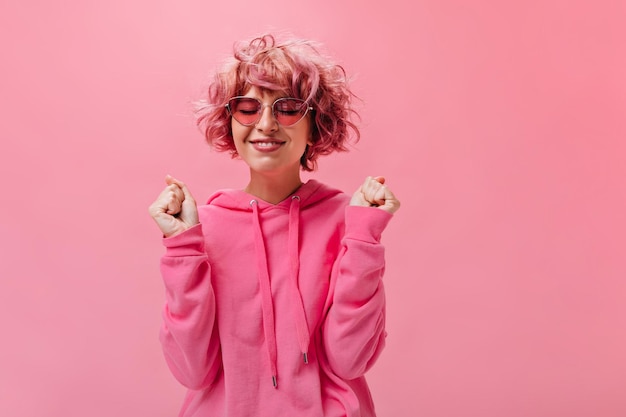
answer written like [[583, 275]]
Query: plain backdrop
[[499, 124]]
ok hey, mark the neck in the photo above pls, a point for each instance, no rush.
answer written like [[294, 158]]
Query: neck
[[272, 188]]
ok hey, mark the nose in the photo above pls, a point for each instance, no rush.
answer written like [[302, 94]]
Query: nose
[[267, 122]]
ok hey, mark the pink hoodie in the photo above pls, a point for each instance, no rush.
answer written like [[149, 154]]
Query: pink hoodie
[[276, 310]]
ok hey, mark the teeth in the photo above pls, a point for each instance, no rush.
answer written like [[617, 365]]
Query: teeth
[[266, 144]]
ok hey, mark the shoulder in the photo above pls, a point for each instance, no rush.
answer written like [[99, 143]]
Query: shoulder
[[315, 192], [323, 206]]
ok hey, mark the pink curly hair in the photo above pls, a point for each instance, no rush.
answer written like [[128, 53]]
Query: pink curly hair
[[294, 68]]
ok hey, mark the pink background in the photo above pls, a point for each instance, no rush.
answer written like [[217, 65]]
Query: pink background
[[500, 125]]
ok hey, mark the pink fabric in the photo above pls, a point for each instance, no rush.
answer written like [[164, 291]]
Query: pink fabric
[[267, 303], [225, 336]]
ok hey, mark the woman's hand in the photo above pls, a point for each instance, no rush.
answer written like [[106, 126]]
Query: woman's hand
[[174, 210], [374, 193]]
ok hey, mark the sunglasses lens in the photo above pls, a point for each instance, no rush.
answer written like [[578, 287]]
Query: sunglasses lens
[[245, 110], [289, 111]]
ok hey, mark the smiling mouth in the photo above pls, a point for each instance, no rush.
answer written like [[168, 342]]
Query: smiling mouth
[[266, 143]]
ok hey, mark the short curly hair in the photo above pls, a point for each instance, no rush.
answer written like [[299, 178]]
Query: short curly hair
[[295, 68]]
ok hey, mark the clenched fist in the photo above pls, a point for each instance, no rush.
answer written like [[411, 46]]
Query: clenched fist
[[374, 193], [174, 210]]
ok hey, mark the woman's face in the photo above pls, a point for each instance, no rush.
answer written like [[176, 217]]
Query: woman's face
[[268, 147]]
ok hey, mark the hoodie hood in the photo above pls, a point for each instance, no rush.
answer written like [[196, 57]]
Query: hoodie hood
[[307, 195]]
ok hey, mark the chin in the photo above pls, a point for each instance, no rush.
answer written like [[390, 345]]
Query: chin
[[270, 167]]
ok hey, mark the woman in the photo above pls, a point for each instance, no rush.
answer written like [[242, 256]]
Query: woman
[[274, 297]]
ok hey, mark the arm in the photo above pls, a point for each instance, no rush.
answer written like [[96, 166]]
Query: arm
[[354, 327], [189, 334]]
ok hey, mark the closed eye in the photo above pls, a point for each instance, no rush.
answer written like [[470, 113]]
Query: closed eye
[[248, 112], [288, 112]]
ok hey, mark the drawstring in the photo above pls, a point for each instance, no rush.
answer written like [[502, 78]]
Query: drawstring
[[266, 293], [294, 258], [302, 329]]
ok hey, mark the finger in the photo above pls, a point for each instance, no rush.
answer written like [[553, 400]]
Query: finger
[[174, 190], [171, 199], [373, 191], [164, 202], [383, 197], [379, 196], [174, 205], [375, 197], [171, 180], [392, 204]]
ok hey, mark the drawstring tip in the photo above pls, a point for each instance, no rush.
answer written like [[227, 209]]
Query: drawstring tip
[[306, 357], [274, 381]]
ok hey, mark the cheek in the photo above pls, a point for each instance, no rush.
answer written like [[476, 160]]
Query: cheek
[[240, 133], [307, 132]]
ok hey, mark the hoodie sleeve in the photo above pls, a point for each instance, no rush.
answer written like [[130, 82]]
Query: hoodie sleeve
[[189, 336], [354, 328]]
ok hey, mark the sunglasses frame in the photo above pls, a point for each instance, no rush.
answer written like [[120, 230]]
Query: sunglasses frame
[[263, 106]]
